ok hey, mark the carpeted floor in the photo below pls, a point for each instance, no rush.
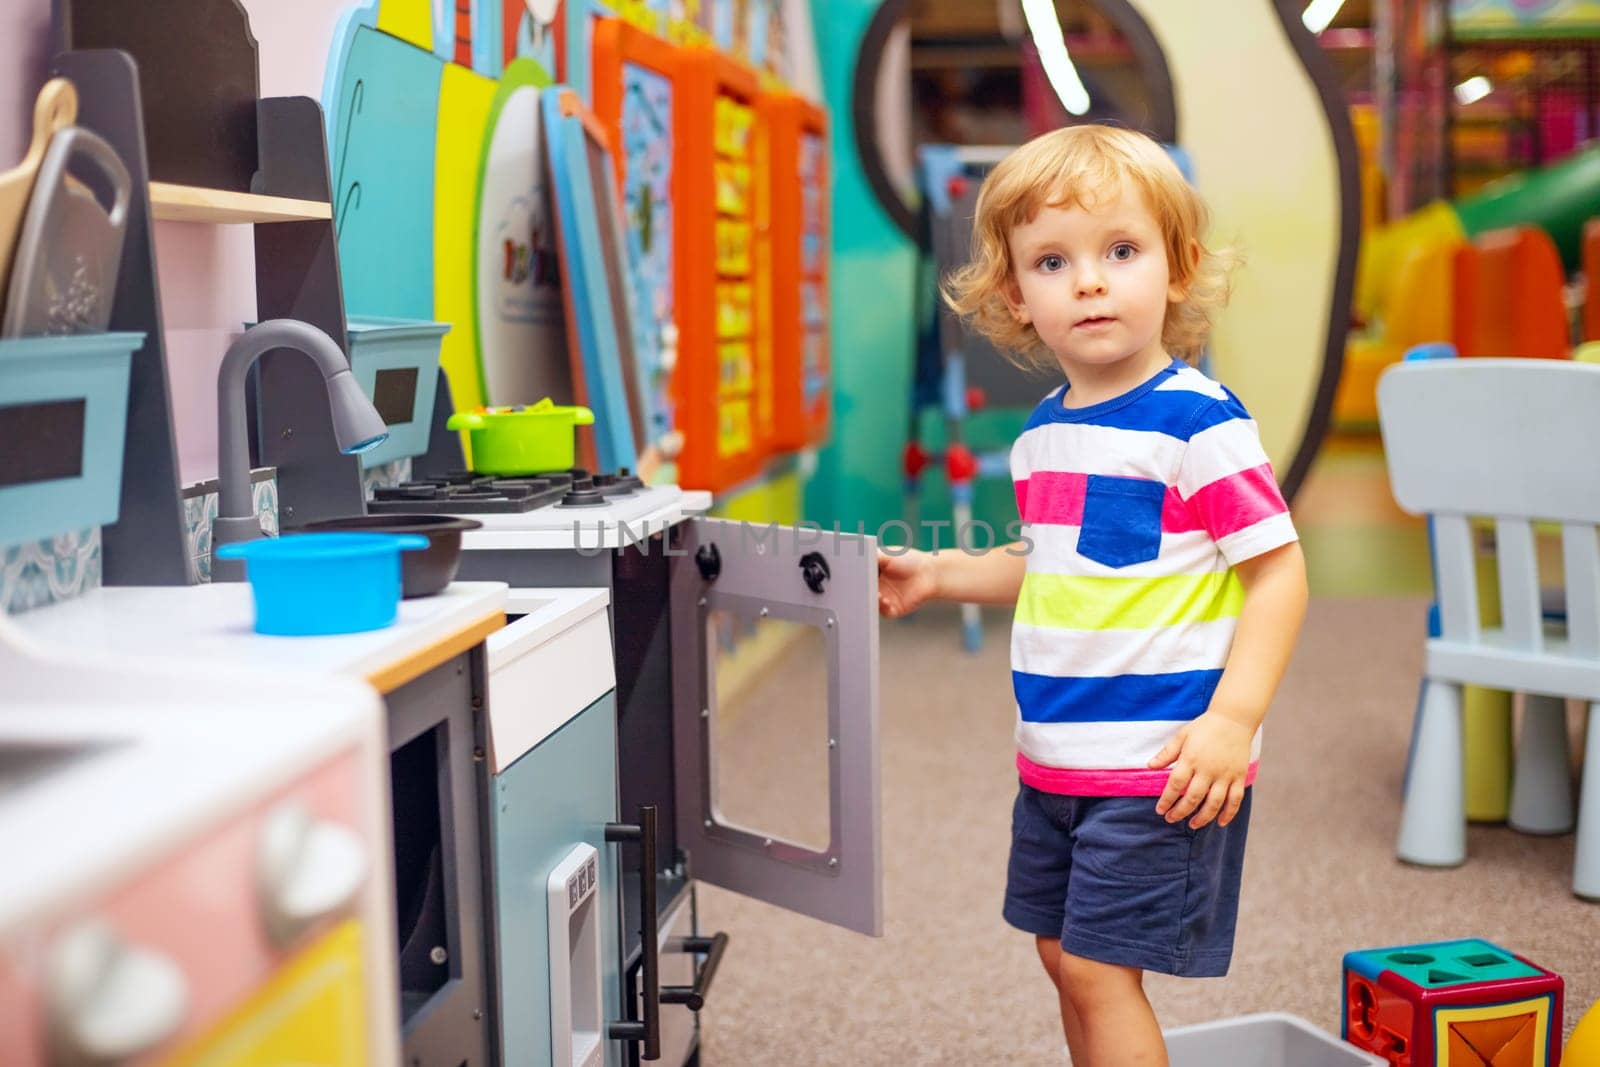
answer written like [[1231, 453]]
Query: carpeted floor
[[950, 983]]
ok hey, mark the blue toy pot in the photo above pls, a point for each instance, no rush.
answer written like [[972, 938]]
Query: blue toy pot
[[324, 583]]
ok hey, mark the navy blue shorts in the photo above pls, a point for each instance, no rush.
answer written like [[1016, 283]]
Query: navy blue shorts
[[1119, 884]]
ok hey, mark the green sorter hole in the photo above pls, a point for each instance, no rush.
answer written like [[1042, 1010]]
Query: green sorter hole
[[1482, 959], [1410, 957]]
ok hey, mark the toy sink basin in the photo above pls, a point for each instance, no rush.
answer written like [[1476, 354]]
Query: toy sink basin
[[314, 584], [515, 441]]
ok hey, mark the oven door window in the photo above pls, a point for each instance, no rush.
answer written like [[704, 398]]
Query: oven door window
[[769, 729], [775, 706]]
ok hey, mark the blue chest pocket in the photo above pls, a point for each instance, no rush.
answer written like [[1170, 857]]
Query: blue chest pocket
[[1121, 520]]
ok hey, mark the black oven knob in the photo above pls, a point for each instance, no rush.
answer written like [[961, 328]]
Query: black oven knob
[[814, 566], [709, 560]]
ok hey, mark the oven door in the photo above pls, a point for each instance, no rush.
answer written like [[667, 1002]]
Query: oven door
[[775, 694]]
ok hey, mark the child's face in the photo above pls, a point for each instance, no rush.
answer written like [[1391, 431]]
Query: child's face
[[1094, 284]]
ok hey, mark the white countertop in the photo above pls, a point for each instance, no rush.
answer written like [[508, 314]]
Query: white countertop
[[586, 533], [547, 665], [214, 623], [164, 751], [545, 613]]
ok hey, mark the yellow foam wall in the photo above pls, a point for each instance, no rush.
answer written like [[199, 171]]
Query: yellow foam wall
[[464, 100], [1273, 186], [775, 500], [409, 20]]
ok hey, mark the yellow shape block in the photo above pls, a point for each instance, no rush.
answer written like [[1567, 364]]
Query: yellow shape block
[[733, 310], [464, 101], [734, 437], [733, 187], [731, 124], [733, 248], [734, 367], [312, 1013], [409, 20]]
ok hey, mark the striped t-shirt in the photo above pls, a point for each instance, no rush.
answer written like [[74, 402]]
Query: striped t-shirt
[[1136, 509]]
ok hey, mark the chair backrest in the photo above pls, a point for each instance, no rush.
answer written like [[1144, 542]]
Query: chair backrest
[[1509, 439]]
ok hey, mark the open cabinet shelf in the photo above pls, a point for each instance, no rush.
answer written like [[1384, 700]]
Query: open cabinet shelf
[[192, 203]]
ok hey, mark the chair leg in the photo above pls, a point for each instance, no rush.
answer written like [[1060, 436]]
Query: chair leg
[[1541, 790], [1586, 867], [1433, 821]]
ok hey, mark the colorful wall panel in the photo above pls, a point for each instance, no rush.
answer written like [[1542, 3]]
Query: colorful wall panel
[[385, 124], [440, 199], [633, 101], [798, 192], [521, 331], [718, 381], [464, 102]]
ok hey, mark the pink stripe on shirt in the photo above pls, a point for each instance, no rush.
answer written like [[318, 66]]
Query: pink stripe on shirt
[[1056, 498], [1101, 783], [1237, 501]]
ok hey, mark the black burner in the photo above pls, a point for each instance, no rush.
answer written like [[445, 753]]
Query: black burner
[[583, 494], [462, 491]]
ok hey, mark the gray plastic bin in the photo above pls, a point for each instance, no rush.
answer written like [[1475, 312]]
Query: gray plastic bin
[[1271, 1039]]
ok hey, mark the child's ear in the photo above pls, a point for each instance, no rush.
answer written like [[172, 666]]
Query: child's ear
[[1012, 294], [1178, 287]]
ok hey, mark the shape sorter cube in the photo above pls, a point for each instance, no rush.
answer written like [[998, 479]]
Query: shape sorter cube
[[1452, 1004]]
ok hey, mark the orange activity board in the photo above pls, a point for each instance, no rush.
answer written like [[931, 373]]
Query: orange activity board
[[798, 183], [721, 387]]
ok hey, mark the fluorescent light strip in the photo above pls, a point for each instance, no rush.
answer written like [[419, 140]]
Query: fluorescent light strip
[[1319, 13], [1052, 46], [1472, 90]]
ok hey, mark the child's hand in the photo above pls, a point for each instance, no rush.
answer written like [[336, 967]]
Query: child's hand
[[1210, 758], [905, 582]]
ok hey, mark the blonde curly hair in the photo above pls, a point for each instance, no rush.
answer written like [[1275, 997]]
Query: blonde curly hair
[[1077, 166]]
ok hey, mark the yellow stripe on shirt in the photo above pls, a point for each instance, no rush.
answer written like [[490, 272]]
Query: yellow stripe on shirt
[[1077, 602]]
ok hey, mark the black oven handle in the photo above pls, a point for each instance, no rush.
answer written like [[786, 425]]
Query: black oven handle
[[694, 997], [648, 1031]]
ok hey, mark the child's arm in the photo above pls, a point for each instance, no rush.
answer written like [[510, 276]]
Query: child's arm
[[910, 579], [1210, 756]]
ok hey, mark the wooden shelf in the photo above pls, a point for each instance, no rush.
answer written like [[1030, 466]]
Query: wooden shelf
[[191, 203]]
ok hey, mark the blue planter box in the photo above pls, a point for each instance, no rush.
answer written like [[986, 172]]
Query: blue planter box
[[63, 420], [397, 363]]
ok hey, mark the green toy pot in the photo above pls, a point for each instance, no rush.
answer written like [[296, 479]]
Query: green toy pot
[[516, 441]]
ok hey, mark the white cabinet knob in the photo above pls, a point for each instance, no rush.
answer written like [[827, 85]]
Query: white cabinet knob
[[306, 871], [108, 1000]]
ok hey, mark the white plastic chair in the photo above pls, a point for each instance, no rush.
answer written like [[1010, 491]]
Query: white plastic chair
[[1513, 440]]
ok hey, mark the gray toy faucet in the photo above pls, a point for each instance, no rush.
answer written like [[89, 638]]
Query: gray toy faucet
[[357, 426]]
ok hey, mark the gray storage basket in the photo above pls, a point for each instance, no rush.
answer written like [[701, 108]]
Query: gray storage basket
[[1271, 1039]]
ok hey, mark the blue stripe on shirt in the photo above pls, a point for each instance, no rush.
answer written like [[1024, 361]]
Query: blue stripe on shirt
[[1179, 413], [1177, 697]]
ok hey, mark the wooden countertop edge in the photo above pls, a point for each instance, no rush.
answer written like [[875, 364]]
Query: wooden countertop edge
[[391, 677]]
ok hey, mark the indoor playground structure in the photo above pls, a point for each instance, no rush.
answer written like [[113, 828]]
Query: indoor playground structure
[[446, 452]]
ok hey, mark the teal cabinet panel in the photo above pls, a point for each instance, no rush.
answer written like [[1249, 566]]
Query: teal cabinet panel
[[558, 795]]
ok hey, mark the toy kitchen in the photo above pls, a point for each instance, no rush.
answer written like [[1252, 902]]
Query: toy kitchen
[[417, 727]]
